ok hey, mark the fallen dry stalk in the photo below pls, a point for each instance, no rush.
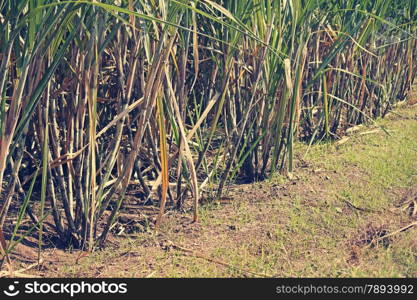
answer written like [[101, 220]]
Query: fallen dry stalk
[[392, 233], [21, 273], [191, 252]]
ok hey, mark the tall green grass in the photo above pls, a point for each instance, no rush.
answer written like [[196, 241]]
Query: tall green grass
[[179, 98]]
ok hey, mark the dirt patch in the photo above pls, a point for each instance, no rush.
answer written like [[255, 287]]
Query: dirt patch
[[408, 202], [371, 236]]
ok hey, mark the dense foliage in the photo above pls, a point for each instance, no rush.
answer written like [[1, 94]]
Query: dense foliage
[[177, 98]]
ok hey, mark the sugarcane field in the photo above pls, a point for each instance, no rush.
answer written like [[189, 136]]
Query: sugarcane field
[[208, 139]]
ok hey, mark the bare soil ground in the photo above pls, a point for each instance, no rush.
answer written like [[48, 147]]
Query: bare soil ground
[[349, 210]]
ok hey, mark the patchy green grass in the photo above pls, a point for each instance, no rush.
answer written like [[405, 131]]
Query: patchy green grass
[[319, 224]]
